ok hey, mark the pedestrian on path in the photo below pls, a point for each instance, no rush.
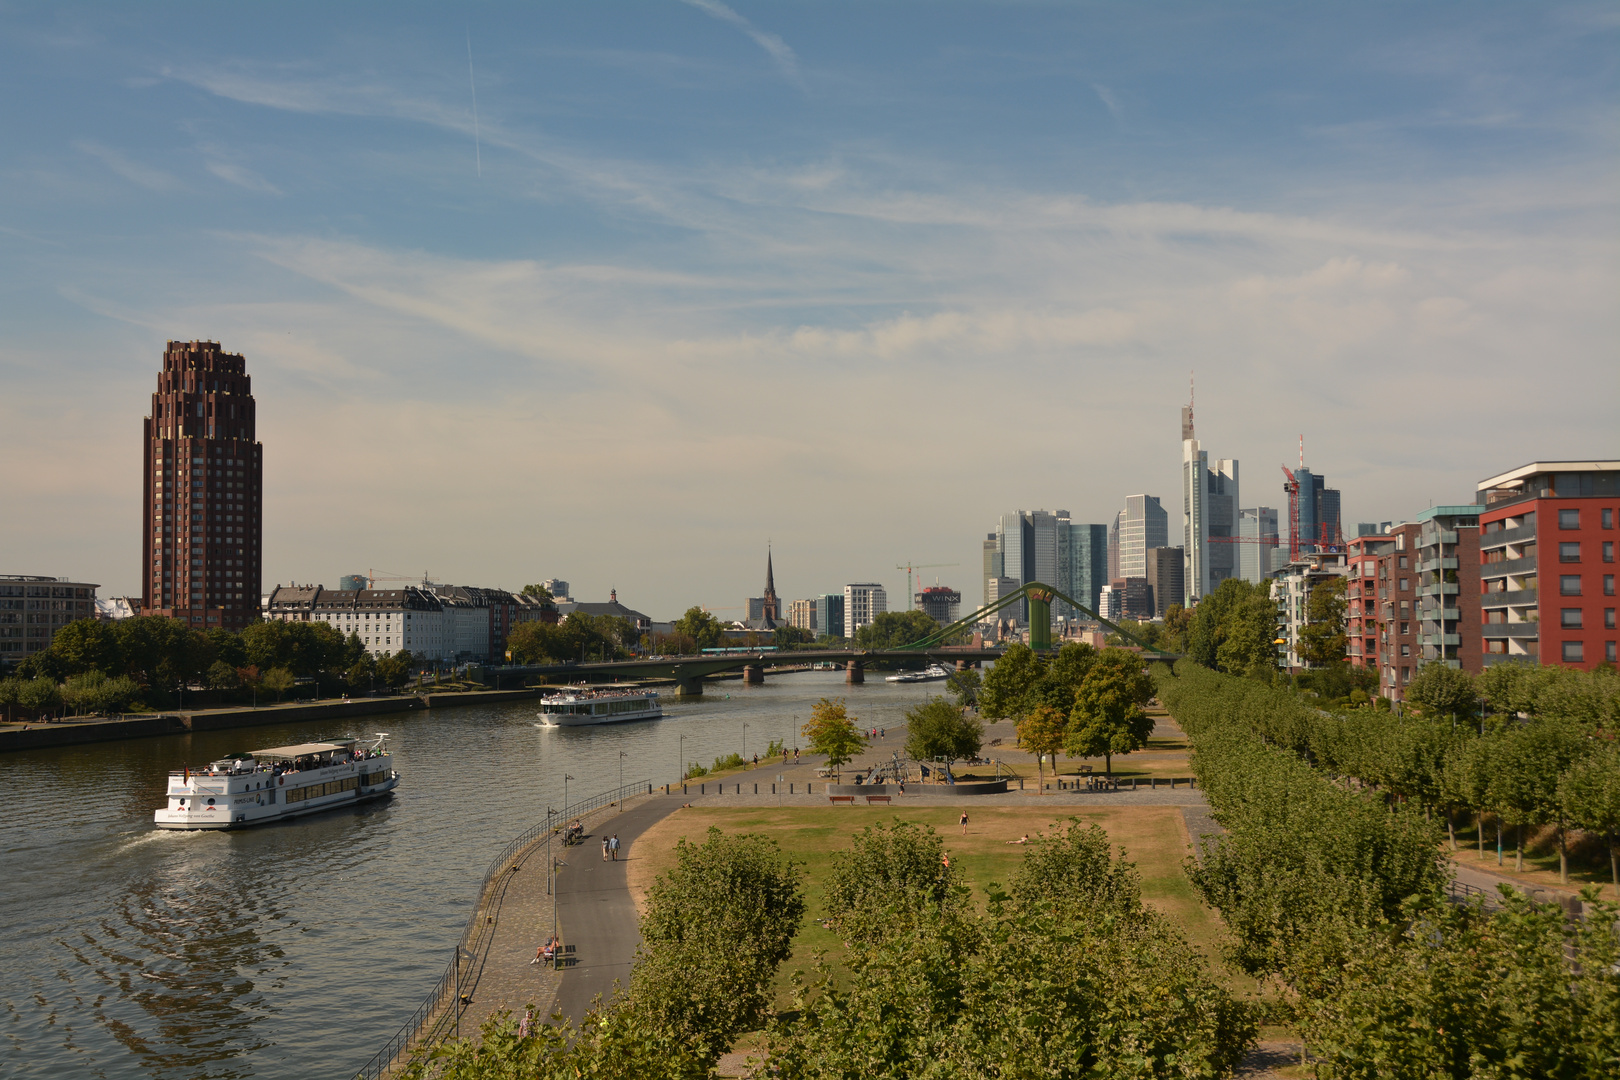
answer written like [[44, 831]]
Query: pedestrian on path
[[963, 823], [605, 847], [795, 755], [613, 847]]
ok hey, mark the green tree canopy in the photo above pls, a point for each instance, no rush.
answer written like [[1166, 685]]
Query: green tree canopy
[[88, 645], [964, 685], [1322, 640], [895, 629], [938, 729], [1590, 793], [1107, 717], [704, 629], [831, 731], [891, 874], [1043, 731], [1442, 691], [1234, 629], [785, 636]]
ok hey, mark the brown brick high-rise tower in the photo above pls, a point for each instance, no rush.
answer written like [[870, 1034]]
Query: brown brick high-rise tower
[[202, 491]]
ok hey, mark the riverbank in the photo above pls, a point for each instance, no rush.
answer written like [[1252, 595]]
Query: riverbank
[[72, 732]]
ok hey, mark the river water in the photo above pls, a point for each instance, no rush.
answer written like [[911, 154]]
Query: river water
[[295, 950]]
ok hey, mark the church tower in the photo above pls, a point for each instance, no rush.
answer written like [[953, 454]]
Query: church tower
[[773, 608]]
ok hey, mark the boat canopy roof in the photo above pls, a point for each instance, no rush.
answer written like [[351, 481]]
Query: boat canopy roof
[[304, 749]]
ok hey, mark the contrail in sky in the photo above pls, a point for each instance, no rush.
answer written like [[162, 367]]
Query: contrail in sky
[[478, 151]]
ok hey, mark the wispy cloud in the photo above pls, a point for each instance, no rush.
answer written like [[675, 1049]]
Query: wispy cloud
[[1106, 96], [786, 61], [242, 177], [133, 171]]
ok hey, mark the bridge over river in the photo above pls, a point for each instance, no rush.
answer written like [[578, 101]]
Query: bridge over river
[[690, 671]]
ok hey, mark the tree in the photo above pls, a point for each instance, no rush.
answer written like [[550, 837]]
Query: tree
[[891, 873], [1042, 731], [279, 680], [539, 592], [1234, 629], [1590, 793], [395, 671], [1441, 690], [1107, 718], [1076, 866], [704, 629], [785, 636], [222, 676], [1008, 685], [895, 629], [716, 928], [88, 645], [964, 684], [10, 691], [40, 696], [939, 729], [1322, 640], [831, 731]]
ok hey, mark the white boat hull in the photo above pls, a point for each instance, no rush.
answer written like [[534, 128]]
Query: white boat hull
[[587, 708], [548, 720], [240, 801]]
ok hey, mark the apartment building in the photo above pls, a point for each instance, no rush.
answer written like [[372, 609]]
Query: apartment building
[[1381, 606], [1448, 588], [33, 609], [1547, 533]]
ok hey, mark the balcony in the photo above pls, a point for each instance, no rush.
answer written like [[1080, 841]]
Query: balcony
[[1442, 639], [1444, 588], [1511, 630], [1506, 536], [1507, 566], [1429, 566], [1510, 598]]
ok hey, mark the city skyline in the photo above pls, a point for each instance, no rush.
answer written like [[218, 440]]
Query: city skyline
[[576, 328]]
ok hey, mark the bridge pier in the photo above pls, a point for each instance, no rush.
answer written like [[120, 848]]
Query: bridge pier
[[855, 673], [754, 675], [689, 687]]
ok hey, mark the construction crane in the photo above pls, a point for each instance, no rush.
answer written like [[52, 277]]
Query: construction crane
[[909, 567], [372, 577]]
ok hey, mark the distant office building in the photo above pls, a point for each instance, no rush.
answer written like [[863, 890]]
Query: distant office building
[[1209, 499], [1165, 567], [33, 609], [1111, 602], [558, 588], [996, 588], [1260, 544], [1033, 545], [941, 604], [863, 602], [1142, 524], [351, 582], [1319, 523], [202, 490], [830, 615], [1088, 563], [802, 614], [1136, 598], [1373, 528], [992, 565], [1548, 533], [1113, 546]]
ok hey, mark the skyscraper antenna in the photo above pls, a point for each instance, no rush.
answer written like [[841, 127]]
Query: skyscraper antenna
[[478, 150], [1302, 451]]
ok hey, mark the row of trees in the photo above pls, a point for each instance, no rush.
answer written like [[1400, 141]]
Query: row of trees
[[100, 667], [1065, 973], [1079, 701], [578, 637], [1336, 891]]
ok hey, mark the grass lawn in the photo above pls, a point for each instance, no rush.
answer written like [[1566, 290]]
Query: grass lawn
[[1588, 857], [1154, 838]]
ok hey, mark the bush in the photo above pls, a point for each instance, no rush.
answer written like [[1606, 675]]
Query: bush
[[732, 760]]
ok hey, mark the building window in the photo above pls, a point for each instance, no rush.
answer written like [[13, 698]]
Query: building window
[[1608, 518], [1570, 585], [1608, 584], [1403, 583], [1608, 551], [1574, 652], [1608, 618], [1406, 650], [1608, 651], [1569, 519], [1403, 562], [1406, 628], [1406, 675], [1569, 552], [1570, 618]]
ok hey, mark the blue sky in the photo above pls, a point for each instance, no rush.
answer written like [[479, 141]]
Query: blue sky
[[854, 278]]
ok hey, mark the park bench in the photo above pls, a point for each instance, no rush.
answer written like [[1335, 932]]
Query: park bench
[[564, 957], [842, 798], [878, 798]]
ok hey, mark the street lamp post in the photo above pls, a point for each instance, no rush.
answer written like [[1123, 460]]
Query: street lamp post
[[745, 742], [621, 781], [681, 742]]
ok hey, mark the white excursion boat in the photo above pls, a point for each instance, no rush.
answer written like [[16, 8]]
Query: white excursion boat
[[575, 708], [931, 673], [281, 782]]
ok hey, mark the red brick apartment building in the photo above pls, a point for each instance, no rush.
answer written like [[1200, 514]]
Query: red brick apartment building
[[1547, 563], [1381, 605]]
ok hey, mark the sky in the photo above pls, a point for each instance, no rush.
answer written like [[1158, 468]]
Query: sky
[[622, 293]]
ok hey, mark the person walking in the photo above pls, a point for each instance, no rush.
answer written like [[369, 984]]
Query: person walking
[[963, 822], [605, 846], [613, 847]]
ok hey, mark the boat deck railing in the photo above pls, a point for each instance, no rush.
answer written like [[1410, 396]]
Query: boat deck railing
[[439, 1014]]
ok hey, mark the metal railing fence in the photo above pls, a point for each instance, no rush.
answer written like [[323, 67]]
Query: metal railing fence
[[441, 1010]]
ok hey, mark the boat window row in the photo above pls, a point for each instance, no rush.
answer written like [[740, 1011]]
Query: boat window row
[[370, 778], [315, 791]]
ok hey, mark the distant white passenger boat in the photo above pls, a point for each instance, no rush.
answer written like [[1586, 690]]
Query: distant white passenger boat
[[931, 673], [280, 782], [576, 708]]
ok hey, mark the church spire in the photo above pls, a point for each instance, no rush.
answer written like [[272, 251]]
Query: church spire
[[772, 612], [770, 574]]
